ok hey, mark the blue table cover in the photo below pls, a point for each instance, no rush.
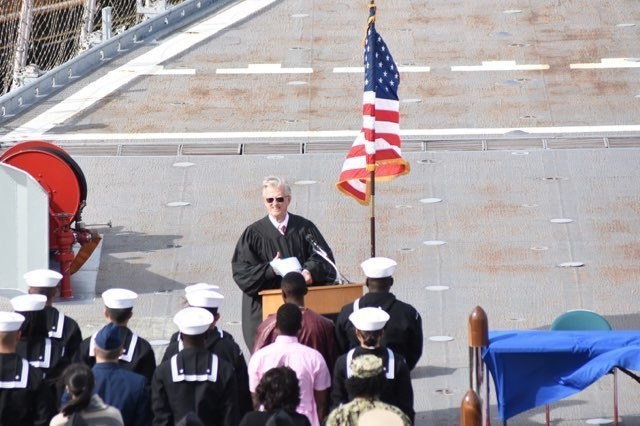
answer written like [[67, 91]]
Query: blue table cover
[[532, 368]]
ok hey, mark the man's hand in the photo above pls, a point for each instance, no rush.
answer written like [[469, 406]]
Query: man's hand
[[276, 258], [307, 276]]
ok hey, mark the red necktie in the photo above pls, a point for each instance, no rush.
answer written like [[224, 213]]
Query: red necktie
[[282, 229]]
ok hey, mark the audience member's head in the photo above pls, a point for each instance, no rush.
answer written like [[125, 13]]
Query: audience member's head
[[365, 377], [288, 319], [279, 390], [118, 305], [369, 324], [379, 272], [108, 343], [380, 417], [10, 323], [78, 378], [43, 281], [31, 306], [193, 324], [293, 286]]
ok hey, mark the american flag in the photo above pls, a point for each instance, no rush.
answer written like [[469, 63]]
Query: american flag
[[377, 147]]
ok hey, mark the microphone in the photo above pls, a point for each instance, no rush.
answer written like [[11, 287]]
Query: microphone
[[314, 244]]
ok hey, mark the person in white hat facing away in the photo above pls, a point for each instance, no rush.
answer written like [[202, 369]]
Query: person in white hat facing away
[[24, 398], [35, 345], [403, 333], [61, 327], [218, 342], [137, 353], [194, 380], [397, 390], [366, 381]]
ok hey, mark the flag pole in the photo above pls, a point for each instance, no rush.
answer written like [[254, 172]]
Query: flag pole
[[372, 219]]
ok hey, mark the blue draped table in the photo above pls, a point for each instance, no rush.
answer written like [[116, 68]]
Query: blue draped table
[[532, 368]]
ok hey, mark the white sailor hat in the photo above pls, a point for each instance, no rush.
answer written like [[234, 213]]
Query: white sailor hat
[[205, 299], [42, 278], [29, 302], [119, 298], [369, 319], [10, 321], [193, 321], [378, 267], [200, 286]]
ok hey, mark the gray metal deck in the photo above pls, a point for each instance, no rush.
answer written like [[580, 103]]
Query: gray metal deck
[[471, 140]]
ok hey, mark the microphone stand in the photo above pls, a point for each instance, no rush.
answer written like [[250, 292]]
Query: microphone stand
[[340, 279]]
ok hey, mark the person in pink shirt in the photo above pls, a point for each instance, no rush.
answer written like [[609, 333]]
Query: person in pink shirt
[[308, 363]]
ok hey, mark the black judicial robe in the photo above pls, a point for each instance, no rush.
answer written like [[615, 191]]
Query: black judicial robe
[[222, 344], [137, 353], [257, 246], [194, 381], [64, 329], [397, 390], [25, 399], [402, 333]]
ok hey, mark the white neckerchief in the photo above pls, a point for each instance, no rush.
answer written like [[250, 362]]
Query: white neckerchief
[[179, 376]]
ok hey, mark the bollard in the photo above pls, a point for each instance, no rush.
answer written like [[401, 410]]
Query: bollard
[[478, 328], [470, 410]]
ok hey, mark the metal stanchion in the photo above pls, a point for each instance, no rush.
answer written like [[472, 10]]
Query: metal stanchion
[[478, 339]]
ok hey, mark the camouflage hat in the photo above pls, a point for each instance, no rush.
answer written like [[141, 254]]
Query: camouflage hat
[[366, 366]]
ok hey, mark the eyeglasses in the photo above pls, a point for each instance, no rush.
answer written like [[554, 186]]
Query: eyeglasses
[[277, 199]]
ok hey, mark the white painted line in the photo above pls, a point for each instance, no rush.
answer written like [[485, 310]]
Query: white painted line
[[608, 63], [401, 68], [500, 66], [141, 65], [495, 131], [264, 69], [161, 70]]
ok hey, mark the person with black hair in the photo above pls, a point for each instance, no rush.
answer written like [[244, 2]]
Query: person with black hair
[[60, 326], [403, 333], [217, 341], [397, 390], [311, 369], [24, 398], [137, 353], [365, 383], [317, 331], [35, 345], [85, 407], [194, 380], [278, 393]]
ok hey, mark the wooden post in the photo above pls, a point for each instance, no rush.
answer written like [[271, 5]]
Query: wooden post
[[471, 410]]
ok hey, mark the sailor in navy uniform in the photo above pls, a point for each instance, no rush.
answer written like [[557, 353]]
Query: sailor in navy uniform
[[35, 345], [137, 353], [217, 341], [24, 398], [61, 327], [369, 324], [403, 333], [194, 380]]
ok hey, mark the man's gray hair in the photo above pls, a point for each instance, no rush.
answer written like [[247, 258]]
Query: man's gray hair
[[276, 182]]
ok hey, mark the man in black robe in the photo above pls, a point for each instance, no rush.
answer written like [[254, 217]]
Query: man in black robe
[[279, 235]]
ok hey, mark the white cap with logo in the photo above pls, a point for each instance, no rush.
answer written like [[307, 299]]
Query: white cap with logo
[[29, 302], [42, 278], [119, 298], [10, 321], [193, 321], [378, 267], [369, 319]]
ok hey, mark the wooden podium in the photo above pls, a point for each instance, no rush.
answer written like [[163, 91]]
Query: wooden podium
[[327, 299]]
